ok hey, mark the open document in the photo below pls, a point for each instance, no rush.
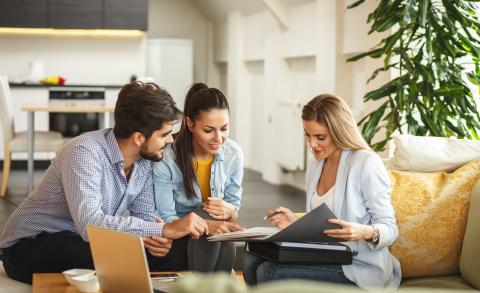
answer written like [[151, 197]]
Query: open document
[[309, 228]]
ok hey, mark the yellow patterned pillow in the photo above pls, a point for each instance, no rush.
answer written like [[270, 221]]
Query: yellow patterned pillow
[[431, 211]]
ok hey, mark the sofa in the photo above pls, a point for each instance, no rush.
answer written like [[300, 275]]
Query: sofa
[[469, 276]]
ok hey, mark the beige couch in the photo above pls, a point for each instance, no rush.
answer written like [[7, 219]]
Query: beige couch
[[469, 277]]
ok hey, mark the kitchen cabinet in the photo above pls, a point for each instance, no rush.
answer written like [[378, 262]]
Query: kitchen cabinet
[[126, 14], [23, 13], [85, 14], [74, 14]]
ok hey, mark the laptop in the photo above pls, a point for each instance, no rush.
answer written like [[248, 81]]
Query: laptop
[[121, 264]]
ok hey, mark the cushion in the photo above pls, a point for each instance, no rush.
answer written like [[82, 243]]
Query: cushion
[[431, 154], [470, 260], [431, 211]]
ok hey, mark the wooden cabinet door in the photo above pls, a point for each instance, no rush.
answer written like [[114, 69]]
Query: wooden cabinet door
[[75, 14], [23, 13], [126, 14]]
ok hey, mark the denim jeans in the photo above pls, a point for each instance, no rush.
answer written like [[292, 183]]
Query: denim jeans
[[259, 270]]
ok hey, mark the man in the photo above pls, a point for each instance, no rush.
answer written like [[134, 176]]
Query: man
[[95, 179]]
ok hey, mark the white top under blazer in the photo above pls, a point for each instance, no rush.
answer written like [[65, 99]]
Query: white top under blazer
[[362, 195], [326, 198]]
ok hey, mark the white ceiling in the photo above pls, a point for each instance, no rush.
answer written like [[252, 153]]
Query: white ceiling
[[219, 9]]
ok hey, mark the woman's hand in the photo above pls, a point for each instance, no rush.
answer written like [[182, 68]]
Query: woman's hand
[[349, 231], [220, 227], [219, 209], [281, 217]]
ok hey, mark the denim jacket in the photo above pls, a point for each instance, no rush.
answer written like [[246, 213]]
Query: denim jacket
[[225, 182]]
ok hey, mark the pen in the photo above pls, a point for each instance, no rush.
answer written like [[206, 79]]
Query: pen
[[270, 214]]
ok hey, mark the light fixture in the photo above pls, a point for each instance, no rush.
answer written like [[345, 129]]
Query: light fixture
[[69, 32]]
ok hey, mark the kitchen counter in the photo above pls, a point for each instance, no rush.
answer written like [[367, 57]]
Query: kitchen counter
[[30, 85]]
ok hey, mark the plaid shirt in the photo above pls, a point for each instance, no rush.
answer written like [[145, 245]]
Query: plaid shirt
[[86, 184]]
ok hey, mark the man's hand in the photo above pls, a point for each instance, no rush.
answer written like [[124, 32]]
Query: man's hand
[[157, 246], [191, 224], [220, 209], [219, 227]]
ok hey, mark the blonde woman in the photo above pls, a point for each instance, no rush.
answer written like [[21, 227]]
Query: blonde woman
[[351, 179]]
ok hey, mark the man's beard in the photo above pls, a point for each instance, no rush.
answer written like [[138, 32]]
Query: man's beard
[[148, 155]]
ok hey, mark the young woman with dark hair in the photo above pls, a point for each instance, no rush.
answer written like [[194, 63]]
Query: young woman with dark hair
[[202, 172]]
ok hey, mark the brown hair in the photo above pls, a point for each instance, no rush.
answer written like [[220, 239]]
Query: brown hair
[[332, 112], [143, 107], [200, 98]]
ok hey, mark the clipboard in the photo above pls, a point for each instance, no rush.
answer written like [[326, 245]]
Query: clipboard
[[308, 228]]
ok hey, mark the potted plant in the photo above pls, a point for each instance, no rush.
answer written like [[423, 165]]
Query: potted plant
[[434, 50]]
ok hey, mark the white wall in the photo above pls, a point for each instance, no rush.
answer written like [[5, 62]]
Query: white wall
[[255, 92], [290, 51], [81, 60], [181, 19]]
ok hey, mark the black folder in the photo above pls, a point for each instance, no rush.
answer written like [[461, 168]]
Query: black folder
[[304, 242], [278, 252]]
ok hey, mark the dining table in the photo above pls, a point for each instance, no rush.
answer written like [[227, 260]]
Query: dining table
[[32, 108]]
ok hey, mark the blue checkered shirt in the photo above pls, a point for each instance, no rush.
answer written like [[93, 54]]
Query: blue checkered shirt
[[86, 184]]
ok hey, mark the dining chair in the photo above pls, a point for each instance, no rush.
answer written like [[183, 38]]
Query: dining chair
[[16, 142]]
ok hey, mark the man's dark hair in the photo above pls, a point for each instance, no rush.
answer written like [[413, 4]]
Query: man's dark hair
[[143, 107]]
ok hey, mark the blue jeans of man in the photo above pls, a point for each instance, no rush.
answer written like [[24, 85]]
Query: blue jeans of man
[[259, 270]]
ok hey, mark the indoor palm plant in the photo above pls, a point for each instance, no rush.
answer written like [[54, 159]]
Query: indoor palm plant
[[434, 50]]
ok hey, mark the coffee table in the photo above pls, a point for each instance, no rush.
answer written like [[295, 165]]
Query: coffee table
[[56, 283]]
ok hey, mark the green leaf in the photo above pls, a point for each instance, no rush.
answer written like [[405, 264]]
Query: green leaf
[[355, 4], [473, 78], [369, 127], [378, 70], [372, 53], [386, 89], [423, 12], [450, 91]]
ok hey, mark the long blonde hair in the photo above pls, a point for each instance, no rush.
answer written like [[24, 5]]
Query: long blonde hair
[[332, 112]]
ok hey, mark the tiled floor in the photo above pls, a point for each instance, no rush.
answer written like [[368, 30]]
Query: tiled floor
[[258, 196]]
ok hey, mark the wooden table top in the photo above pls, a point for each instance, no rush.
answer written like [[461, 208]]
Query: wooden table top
[[68, 108], [56, 283]]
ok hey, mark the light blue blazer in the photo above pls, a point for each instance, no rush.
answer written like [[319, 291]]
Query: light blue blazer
[[362, 195]]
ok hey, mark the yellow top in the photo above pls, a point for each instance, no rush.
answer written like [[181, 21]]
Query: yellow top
[[299, 215], [202, 171]]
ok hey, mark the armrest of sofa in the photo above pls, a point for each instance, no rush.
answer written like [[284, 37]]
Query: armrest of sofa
[[470, 258]]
